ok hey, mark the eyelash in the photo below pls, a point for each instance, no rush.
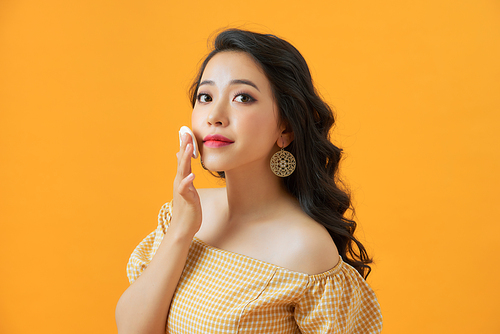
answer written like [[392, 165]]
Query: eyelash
[[251, 99], [198, 97]]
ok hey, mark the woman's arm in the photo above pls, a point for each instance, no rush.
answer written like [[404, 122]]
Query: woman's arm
[[143, 307]]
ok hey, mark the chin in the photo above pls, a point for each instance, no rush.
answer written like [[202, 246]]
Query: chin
[[211, 165]]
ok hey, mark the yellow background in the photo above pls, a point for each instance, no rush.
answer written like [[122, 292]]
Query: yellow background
[[92, 94]]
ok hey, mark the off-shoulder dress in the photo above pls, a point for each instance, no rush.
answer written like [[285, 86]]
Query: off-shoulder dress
[[225, 292]]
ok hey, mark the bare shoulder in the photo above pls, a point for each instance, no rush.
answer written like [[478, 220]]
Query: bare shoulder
[[310, 249], [294, 240]]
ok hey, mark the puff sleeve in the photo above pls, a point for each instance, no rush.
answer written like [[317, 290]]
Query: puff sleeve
[[144, 252], [339, 302]]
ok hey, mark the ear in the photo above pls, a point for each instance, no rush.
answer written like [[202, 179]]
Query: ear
[[285, 138]]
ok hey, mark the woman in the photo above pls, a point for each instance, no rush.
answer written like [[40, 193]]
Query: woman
[[272, 251]]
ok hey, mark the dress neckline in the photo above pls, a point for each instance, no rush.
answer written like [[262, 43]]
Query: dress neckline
[[333, 271]]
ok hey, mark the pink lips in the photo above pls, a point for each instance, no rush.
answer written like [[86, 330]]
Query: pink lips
[[216, 141]]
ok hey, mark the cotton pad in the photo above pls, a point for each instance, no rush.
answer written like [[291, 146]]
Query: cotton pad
[[184, 129]]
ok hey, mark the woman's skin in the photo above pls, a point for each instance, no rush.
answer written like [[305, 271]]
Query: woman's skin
[[253, 215]]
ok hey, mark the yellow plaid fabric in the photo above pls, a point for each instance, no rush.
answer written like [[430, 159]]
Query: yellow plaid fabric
[[224, 292]]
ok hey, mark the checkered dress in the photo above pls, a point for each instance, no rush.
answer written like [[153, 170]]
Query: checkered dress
[[224, 292]]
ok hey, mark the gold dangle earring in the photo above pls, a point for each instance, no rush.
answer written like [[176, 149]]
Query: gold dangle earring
[[283, 162]]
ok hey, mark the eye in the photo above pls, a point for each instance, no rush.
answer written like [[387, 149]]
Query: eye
[[204, 98], [244, 98]]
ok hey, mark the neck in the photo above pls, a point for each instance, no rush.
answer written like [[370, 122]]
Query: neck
[[254, 194]]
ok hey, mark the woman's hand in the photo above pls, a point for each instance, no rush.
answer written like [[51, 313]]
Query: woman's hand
[[144, 306], [186, 210]]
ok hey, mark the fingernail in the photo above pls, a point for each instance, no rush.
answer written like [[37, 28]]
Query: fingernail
[[187, 146]]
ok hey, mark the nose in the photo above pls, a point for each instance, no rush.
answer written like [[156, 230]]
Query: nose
[[218, 114]]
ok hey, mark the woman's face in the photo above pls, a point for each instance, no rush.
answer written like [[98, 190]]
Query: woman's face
[[235, 101]]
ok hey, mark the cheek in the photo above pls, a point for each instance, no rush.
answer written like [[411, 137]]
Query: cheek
[[262, 117], [261, 129], [196, 125], [197, 117]]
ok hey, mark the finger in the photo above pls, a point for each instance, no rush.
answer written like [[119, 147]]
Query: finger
[[182, 148], [190, 141], [185, 164], [185, 139], [186, 189]]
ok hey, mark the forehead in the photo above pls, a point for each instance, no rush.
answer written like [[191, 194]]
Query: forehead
[[228, 65]]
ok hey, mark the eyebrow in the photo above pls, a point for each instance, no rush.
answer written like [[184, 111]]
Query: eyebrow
[[232, 82]]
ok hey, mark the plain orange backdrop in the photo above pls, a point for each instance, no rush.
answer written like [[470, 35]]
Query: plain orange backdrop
[[92, 94]]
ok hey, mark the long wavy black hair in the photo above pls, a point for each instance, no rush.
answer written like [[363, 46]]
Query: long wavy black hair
[[315, 182]]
